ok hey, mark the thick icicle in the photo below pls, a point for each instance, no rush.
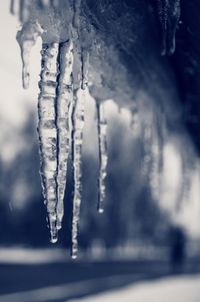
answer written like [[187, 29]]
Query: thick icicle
[[77, 141], [48, 132], [169, 15], [64, 100], [103, 155], [27, 38]]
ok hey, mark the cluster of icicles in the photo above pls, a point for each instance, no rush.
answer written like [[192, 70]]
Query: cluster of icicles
[[61, 113], [61, 123]]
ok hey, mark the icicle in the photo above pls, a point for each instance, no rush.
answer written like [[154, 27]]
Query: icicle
[[14, 7], [103, 155], [175, 14], [169, 15], [163, 16], [48, 132], [64, 100], [77, 140], [27, 38]]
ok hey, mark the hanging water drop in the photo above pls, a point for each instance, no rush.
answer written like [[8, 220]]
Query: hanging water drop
[[48, 132], [77, 141], [64, 101], [103, 155], [27, 38]]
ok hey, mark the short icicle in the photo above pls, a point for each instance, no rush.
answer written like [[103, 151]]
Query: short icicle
[[14, 7], [77, 141], [64, 101], [48, 132], [103, 155], [27, 38]]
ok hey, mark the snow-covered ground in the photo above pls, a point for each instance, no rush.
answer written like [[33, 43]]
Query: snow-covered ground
[[177, 289]]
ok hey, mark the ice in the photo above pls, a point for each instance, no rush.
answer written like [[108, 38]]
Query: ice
[[13, 7], [77, 141], [169, 16], [64, 101], [27, 38], [63, 88], [48, 132], [103, 155]]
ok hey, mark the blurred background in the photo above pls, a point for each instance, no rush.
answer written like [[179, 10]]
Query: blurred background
[[137, 239]]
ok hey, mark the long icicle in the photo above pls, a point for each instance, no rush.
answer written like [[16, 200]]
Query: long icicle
[[64, 100], [77, 141], [48, 133], [103, 155]]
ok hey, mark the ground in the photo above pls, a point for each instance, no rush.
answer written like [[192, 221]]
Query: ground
[[177, 289], [44, 276]]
